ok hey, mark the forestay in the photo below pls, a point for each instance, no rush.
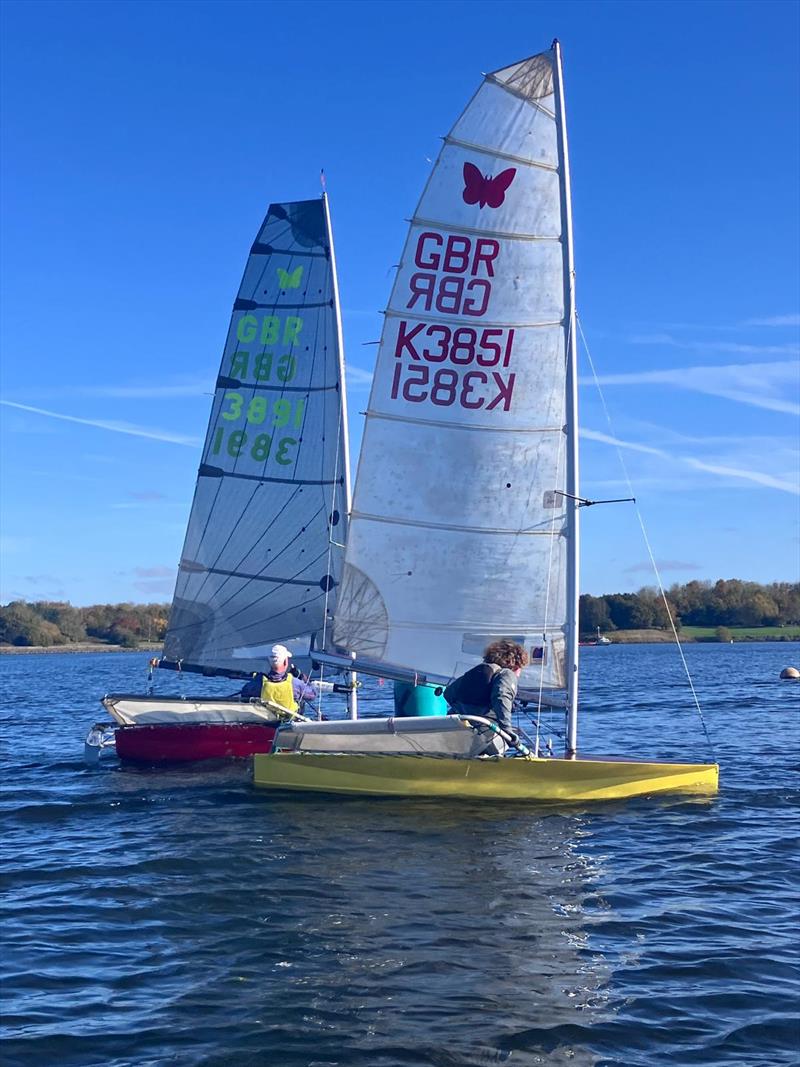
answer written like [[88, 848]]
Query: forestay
[[261, 561], [459, 533]]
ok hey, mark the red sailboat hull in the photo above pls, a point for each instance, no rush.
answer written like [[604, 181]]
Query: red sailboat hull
[[185, 743]]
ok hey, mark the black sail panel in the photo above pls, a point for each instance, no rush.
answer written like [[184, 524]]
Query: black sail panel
[[260, 562]]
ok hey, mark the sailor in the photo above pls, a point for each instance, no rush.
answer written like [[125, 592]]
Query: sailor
[[282, 685], [489, 689]]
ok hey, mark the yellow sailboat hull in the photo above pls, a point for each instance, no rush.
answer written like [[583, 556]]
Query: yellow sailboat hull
[[487, 779]]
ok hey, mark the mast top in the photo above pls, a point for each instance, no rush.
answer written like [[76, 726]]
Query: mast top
[[531, 78]]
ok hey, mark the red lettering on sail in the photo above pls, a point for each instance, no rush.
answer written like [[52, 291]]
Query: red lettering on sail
[[404, 339], [461, 255], [506, 387], [437, 364], [454, 274]]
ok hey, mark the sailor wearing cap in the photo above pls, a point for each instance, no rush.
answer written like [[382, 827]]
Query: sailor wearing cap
[[280, 685]]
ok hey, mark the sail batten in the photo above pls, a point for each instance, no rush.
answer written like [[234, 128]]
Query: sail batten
[[524, 161], [418, 524], [456, 537], [449, 227], [260, 562], [471, 427]]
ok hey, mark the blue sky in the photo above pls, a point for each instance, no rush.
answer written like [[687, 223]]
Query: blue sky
[[143, 142]]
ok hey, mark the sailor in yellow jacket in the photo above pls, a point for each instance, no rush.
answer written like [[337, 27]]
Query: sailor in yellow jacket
[[280, 685]]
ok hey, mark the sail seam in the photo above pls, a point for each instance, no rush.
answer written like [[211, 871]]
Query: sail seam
[[464, 425], [505, 626], [457, 527], [390, 313], [451, 227], [521, 96], [500, 155]]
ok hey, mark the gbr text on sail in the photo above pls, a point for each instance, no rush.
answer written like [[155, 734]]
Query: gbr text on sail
[[451, 362]]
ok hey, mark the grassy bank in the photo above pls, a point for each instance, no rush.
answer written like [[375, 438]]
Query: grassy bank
[[706, 633], [743, 633]]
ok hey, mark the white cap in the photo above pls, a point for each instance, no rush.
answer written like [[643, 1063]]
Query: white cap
[[279, 653]]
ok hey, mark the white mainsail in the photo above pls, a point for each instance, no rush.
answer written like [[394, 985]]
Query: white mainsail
[[460, 532]]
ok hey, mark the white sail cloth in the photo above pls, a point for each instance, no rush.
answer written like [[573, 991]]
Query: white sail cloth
[[439, 735], [458, 532]]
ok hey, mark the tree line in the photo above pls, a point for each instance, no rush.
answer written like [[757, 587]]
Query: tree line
[[47, 622], [729, 602], [723, 603]]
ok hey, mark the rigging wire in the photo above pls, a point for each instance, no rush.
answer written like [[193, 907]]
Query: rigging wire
[[646, 539], [331, 510], [559, 459]]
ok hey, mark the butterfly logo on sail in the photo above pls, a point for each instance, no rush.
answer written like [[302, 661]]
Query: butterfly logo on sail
[[290, 280], [483, 190]]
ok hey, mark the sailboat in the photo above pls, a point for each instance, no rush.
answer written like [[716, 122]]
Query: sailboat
[[262, 558], [600, 639], [465, 520]]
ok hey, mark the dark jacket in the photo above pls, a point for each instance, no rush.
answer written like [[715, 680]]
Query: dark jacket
[[486, 690]]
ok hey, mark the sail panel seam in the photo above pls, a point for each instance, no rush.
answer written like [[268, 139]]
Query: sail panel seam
[[461, 321], [463, 425], [483, 627], [520, 96], [456, 527], [451, 227], [500, 155]]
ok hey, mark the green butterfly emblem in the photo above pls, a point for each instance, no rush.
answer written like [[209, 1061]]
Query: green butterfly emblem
[[290, 281]]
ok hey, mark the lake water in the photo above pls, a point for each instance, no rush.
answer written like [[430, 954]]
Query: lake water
[[180, 916]]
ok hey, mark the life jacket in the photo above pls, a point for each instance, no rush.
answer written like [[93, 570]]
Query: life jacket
[[474, 687], [279, 692]]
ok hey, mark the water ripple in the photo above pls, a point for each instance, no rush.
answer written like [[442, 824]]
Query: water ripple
[[180, 916]]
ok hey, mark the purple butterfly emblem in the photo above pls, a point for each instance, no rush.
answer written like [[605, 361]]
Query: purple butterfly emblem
[[483, 190]]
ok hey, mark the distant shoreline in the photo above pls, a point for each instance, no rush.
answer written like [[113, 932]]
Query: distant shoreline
[[80, 646], [619, 637]]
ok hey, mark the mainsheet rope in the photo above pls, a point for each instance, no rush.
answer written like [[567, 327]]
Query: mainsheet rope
[[640, 517]]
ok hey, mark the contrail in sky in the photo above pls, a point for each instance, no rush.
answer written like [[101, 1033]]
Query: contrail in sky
[[731, 472], [115, 427], [763, 385]]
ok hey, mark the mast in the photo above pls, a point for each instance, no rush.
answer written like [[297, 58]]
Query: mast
[[352, 699], [573, 531]]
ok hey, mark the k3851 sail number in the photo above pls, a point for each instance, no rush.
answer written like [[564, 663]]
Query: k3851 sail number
[[443, 366]]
